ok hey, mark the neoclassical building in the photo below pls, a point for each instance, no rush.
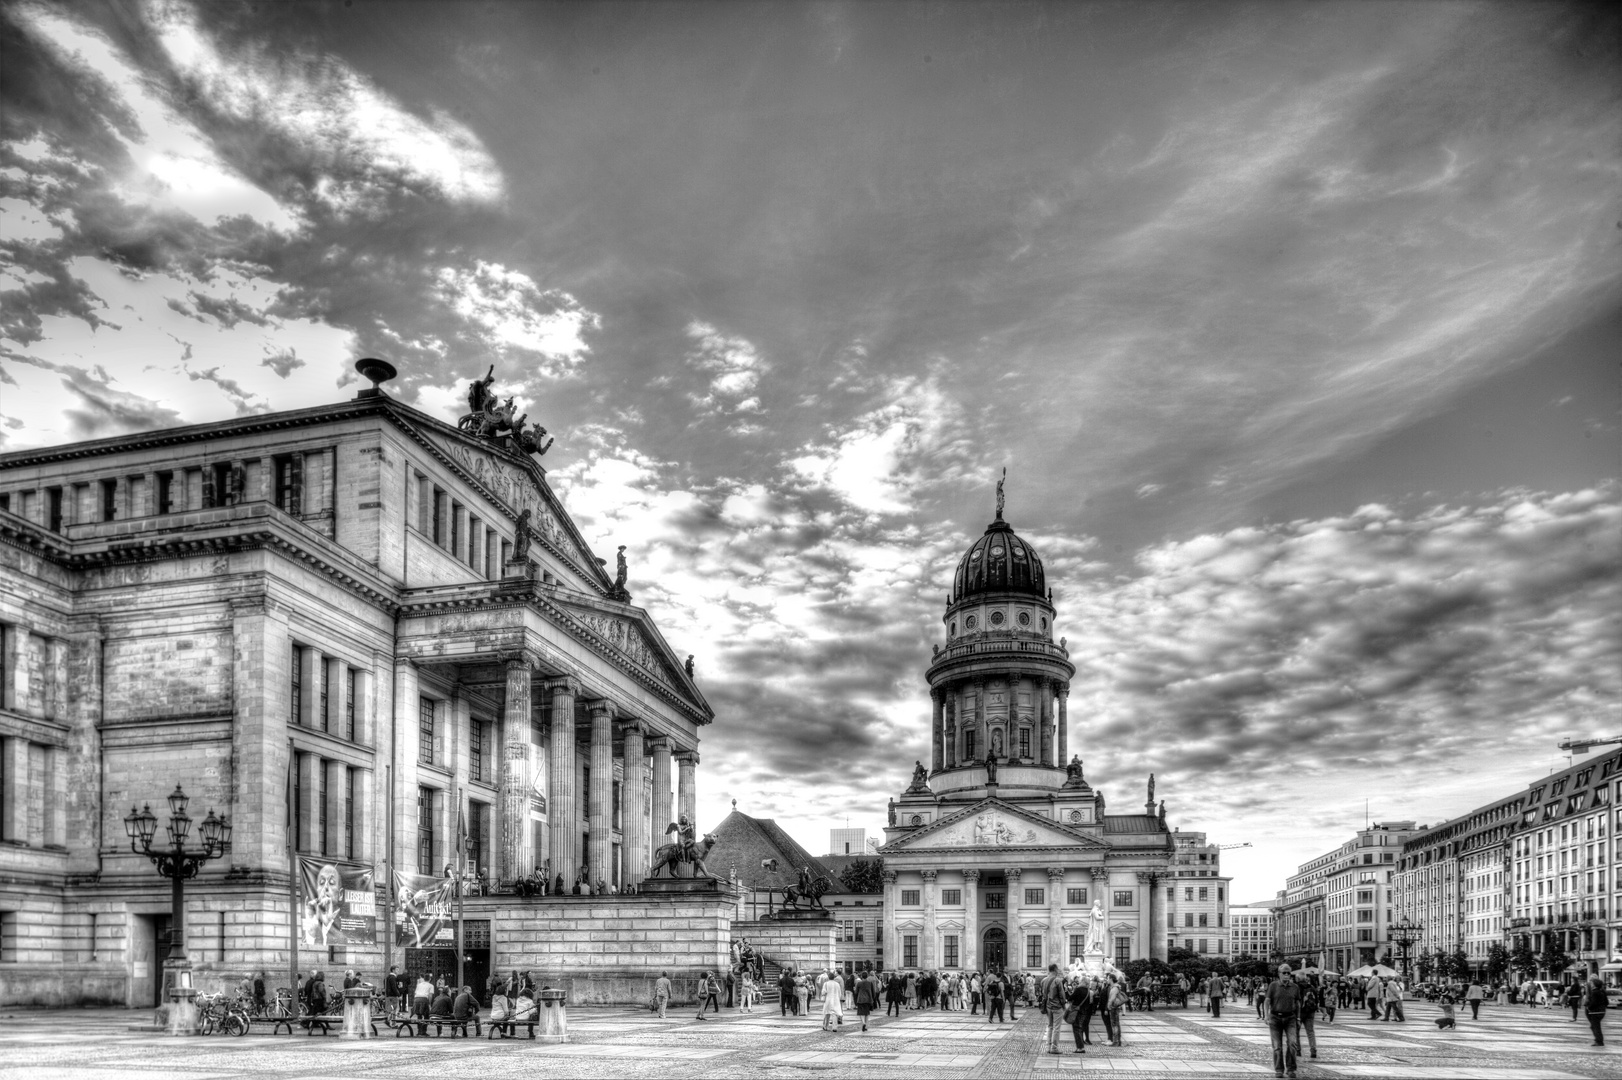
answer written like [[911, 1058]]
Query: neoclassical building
[[998, 849], [358, 631]]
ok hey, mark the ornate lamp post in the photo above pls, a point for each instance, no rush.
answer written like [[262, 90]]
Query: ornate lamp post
[[177, 864], [1403, 935]]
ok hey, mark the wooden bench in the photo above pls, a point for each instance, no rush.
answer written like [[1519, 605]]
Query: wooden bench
[[276, 1023], [402, 1023], [508, 1027]]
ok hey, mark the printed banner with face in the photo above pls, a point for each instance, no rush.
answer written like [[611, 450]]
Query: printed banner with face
[[339, 903], [424, 911]]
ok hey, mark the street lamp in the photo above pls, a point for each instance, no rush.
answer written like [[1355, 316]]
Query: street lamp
[[177, 864], [1404, 934]]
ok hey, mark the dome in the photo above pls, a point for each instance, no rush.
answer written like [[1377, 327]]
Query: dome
[[999, 562]]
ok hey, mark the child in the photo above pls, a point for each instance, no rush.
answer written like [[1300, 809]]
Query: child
[[1447, 1020]]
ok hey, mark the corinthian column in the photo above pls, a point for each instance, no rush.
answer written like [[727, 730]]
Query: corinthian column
[[971, 920], [600, 809], [1056, 950], [632, 810], [892, 940], [1101, 893], [661, 791], [560, 807], [1064, 725], [517, 852], [926, 955], [686, 793]]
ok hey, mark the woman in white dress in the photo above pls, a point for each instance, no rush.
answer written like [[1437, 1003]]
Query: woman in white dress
[[833, 1002]]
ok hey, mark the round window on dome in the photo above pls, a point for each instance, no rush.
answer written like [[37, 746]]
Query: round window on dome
[[975, 554], [997, 618], [997, 550], [1023, 618], [968, 622]]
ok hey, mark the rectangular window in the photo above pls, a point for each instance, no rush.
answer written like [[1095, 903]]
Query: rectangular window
[[53, 512], [475, 750], [859, 924], [425, 831], [1124, 898], [1123, 951], [440, 532], [951, 897], [1035, 897], [289, 483], [1204, 919], [477, 815], [968, 745], [1078, 943], [1075, 896], [909, 897], [1202, 944], [994, 901], [1205, 894], [949, 950], [425, 732], [109, 500], [1188, 894], [909, 950], [321, 672], [1025, 743], [349, 704], [475, 546], [297, 686], [1033, 950], [1188, 918], [456, 532]]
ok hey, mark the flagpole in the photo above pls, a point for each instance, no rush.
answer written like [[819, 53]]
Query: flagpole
[[461, 877]]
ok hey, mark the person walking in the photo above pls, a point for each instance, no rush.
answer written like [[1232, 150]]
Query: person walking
[[1393, 1000], [1374, 996], [1051, 999], [709, 994], [864, 995], [785, 993], [1309, 1010], [1216, 987], [895, 992], [1474, 995], [1594, 1004], [747, 991], [833, 1002], [994, 991], [1574, 999], [802, 994], [1283, 998], [661, 992]]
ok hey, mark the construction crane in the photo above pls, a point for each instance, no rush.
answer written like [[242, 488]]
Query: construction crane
[[1225, 847]]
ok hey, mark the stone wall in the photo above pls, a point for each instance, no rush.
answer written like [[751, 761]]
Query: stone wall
[[803, 944], [57, 985], [609, 949]]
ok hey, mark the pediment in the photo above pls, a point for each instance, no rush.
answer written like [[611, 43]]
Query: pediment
[[994, 825], [632, 636], [1124, 928], [517, 482]]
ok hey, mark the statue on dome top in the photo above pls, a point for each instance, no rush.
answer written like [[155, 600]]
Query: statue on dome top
[[920, 778], [999, 492], [1073, 770]]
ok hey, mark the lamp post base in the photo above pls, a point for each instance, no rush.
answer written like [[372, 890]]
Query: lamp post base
[[183, 1018]]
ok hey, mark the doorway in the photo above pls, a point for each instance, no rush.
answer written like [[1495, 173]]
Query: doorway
[[995, 956], [149, 948], [432, 963]]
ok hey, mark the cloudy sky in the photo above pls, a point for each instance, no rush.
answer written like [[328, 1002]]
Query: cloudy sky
[[1296, 327]]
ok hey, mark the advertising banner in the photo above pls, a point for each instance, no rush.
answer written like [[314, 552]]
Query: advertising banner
[[338, 903], [424, 911]]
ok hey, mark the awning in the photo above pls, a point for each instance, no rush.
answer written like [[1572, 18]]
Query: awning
[[1614, 965]]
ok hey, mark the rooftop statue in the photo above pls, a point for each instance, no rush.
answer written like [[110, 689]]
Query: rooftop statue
[[1073, 770], [920, 778], [999, 492], [494, 422], [525, 532], [618, 591]]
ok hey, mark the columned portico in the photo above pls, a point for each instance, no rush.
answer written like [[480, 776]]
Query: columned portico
[[562, 831]]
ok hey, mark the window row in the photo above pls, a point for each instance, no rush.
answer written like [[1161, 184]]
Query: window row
[[33, 793], [327, 694], [996, 900], [457, 530]]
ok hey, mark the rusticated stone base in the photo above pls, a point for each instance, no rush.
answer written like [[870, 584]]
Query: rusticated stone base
[[804, 944]]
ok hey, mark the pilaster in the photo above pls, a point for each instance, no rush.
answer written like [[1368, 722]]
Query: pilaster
[[927, 953]]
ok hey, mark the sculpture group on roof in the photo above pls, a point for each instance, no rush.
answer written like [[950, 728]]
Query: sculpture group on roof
[[492, 420]]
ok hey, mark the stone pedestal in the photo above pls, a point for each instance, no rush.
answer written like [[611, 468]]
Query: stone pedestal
[[800, 915], [357, 1014], [183, 1011], [553, 1016]]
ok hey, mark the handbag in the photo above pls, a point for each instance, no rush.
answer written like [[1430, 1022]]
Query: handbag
[[1070, 1015]]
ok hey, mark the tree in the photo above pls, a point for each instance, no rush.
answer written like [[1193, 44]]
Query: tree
[[1458, 968], [1189, 964], [1523, 960], [1247, 966], [1497, 962], [1553, 957], [863, 876], [1424, 964], [1218, 965]]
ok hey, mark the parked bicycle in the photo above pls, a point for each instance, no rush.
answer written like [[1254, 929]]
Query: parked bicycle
[[219, 1013]]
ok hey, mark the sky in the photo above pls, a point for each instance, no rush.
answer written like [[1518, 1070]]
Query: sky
[[1295, 326]]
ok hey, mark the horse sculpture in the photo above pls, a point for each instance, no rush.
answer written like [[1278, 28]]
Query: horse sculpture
[[813, 893], [671, 856]]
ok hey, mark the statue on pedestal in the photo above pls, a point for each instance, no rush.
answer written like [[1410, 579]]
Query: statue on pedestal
[[1095, 928], [523, 536], [618, 591], [991, 768]]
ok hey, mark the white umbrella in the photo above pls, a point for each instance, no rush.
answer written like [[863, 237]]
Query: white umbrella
[[1377, 970]]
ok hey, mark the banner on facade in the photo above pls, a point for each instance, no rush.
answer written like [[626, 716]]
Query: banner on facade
[[338, 904], [424, 911]]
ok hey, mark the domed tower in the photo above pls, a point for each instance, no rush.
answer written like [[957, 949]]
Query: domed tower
[[1000, 683]]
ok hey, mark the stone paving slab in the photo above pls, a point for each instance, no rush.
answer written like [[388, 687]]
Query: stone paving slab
[[904, 1061]]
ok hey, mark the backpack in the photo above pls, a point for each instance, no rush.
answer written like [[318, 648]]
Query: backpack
[[994, 989]]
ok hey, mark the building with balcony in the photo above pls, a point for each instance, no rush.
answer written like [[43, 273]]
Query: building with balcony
[[1452, 883], [1197, 896], [1337, 908]]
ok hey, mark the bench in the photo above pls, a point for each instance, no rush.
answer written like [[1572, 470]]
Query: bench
[[402, 1023], [276, 1023], [508, 1027]]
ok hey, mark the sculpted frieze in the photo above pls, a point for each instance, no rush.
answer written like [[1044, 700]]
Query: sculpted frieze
[[624, 636], [991, 829], [517, 489]]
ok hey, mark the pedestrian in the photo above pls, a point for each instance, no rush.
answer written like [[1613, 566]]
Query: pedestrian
[[833, 1002], [802, 994], [976, 994], [1146, 993], [1309, 1012], [1283, 997], [1010, 988], [865, 994], [709, 993], [1079, 1010], [1393, 999], [1374, 997], [1051, 999], [785, 993], [1115, 1001], [1215, 988], [1594, 1004], [1574, 999], [1474, 994], [994, 992], [422, 997], [661, 992], [747, 991], [895, 992], [259, 982], [731, 987]]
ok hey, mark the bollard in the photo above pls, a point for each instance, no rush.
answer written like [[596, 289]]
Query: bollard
[[357, 1013], [183, 1019], [554, 1018]]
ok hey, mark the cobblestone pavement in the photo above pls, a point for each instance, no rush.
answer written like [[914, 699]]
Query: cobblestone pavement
[[1508, 1042]]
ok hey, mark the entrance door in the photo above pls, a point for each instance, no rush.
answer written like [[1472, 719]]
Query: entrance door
[[995, 955], [436, 962], [149, 947]]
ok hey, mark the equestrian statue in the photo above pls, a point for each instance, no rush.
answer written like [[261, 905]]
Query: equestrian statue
[[808, 888], [682, 850]]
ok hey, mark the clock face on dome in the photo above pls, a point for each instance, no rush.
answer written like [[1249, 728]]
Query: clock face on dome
[[968, 623]]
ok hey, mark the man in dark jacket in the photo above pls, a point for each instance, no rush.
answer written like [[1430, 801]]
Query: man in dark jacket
[[1284, 1020], [1594, 1003], [786, 1001], [1216, 989], [895, 994]]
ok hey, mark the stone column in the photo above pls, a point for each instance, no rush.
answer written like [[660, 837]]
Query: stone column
[[1157, 916], [926, 951], [1101, 893], [335, 672], [1043, 721], [937, 760], [311, 672], [633, 813], [1016, 936], [1147, 928], [892, 939], [686, 794], [1064, 724], [360, 811], [661, 791], [1056, 942], [601, 806], [309, 785], [983, 735], [560, 807], [517, 848], [971, 920], [949, 721], [83, 794]]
